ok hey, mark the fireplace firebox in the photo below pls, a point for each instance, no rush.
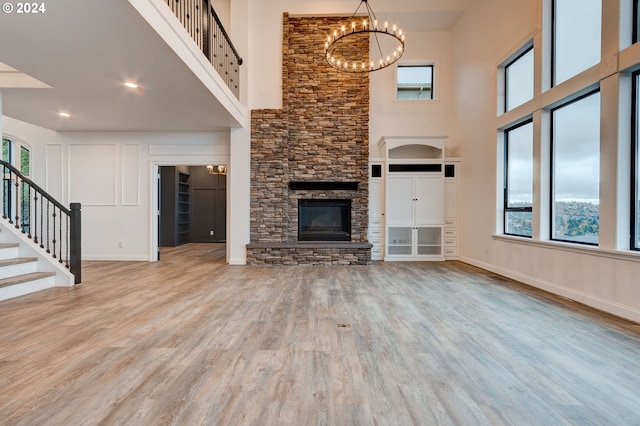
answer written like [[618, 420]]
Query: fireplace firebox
[[324, 220]]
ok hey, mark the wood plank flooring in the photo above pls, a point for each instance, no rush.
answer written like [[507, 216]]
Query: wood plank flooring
[[190, 340]]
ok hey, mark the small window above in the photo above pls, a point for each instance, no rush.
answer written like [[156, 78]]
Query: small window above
[[518, 79], [415, 82]]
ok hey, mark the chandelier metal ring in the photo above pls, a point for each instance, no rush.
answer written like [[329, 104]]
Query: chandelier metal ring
[[341, 54]]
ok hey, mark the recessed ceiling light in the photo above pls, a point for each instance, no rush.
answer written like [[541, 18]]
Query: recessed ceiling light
[[64, 114], [131, 85]]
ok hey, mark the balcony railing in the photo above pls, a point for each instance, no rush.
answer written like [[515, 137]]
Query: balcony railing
[[204, 26]]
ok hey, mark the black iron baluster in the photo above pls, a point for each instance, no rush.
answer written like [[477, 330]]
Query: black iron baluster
[[48, 227], [6, 195], [17, 184], [35, 215], [27, 222], [60, 240], [41, 222], [68, 239], [54, 232]]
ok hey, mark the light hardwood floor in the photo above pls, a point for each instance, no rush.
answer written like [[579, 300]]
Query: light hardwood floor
[[190, 340]]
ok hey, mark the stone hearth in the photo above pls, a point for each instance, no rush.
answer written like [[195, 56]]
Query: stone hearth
[[320, 136]]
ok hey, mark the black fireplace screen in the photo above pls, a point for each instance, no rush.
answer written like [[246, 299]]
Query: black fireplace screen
[[324, 220]]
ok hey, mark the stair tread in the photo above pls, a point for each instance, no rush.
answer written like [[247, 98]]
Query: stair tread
[[9, 245], [17, 261], [19, 279]]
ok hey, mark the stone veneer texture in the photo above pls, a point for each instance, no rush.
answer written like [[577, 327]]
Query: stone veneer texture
[[321, 134]]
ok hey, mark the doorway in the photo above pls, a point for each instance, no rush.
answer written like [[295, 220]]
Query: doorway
[[192, 204]]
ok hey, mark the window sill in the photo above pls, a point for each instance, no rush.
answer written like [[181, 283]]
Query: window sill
[[573, 248], [416, 101]]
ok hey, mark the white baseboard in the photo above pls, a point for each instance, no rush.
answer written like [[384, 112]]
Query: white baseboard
[[109, 257], [238, 261], [604, 305]]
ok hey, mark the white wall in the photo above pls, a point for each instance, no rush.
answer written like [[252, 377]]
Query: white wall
[[111, 174], [607, 279], [390, 117]]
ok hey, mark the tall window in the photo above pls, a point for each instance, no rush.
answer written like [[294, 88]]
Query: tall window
[[635, 166], [19, 156], [576, 37], [518, 179], [415, 82], [518, 80], [575, 135]]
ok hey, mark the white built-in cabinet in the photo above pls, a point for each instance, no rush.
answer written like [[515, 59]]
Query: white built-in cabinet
[[452, 166], [376, 208], [414, 206]]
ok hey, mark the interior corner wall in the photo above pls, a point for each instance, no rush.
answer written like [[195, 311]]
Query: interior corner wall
[[484, 36]]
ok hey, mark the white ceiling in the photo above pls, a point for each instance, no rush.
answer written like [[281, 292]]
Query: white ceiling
[[76, 56], [85, 51]]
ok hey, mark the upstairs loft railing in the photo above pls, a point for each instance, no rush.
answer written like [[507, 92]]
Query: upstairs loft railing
[[204, 26], [53, 227]]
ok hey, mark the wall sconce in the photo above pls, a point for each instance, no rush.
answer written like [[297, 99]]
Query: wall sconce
[[220, 169]]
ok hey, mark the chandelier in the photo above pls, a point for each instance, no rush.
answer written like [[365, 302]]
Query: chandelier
[[344, 48], [220, 169]]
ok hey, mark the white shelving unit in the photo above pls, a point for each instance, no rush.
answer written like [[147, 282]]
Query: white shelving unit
[[414, 201]]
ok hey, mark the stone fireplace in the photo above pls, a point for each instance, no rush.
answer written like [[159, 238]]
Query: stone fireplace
[[313, 151]]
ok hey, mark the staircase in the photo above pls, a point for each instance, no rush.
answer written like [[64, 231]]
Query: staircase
[[21, 275], [24, 269], [40, 239]]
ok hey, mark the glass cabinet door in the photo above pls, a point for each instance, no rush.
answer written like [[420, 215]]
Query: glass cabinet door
[[400, 240], [429, 241]]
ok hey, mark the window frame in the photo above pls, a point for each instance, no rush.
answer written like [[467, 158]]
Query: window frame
[[552, 162], [431, 66], [505, 189], [529, 47], [635, 151], [553, 49]]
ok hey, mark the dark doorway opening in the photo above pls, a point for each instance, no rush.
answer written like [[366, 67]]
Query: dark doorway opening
[[192, 205]]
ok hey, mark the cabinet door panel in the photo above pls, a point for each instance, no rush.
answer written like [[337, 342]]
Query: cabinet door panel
[[400, 199], [375, 198], [429, 192], [450, 198]]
